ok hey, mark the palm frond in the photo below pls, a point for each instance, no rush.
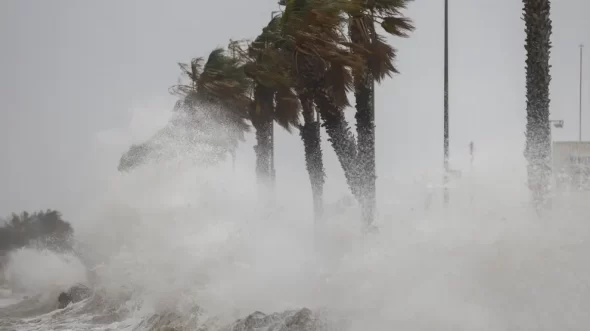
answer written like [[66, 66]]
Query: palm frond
[[287, 108], [339, 80], [380, 59], [397, 26]]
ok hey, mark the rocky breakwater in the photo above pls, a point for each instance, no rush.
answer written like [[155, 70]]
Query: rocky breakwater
[[74, 294], [292, 320], [295, 320]]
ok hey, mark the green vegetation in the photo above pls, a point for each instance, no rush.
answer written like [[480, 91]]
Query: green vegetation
[[45, 228]]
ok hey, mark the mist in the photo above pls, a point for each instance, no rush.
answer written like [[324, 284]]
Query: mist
[[180, 236], [174, 236]]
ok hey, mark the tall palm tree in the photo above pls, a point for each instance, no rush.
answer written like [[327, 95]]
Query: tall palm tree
[[211, 110], [310, 134], [313, 37], [273, 66], [538, 129], [328, 57], [378, 58], [220, 88], [273, 97]]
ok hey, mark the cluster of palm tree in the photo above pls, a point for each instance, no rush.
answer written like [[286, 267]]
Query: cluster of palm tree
[[298, 73]]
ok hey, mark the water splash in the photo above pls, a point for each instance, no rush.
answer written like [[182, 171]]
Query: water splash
[[32, 270], [172, 238]]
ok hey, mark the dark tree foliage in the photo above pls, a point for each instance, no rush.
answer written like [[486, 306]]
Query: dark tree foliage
[[46, 228]]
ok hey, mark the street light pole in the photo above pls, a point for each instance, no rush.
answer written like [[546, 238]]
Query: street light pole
[[446, 107], [581, 52]]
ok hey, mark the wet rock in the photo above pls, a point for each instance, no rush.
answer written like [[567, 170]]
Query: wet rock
[[171, 322], [294, 320], [301, 320], [74, 294]]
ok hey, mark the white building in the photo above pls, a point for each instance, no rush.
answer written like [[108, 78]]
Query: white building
[[571, 165]]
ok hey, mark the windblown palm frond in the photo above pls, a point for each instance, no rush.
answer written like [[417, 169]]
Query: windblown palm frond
[[213, 106], [224, 79], [266, 63], [219, 86], [315, 36], [287, 108], [363, 18]]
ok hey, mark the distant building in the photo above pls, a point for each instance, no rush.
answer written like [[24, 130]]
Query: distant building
[[571, 165]]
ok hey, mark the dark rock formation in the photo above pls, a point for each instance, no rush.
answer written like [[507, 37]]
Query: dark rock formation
[[295, 320], [74, 294]]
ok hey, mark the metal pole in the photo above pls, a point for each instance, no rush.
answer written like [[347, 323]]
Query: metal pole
[[581, 52], [446, 107], [471, 159]]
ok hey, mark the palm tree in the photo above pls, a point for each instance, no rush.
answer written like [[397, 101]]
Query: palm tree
[[211, 111], [538, 129], [316, 29], [273, 66], [310, 134], [378, 59], [274, 98], [313, 37], [330, 58]]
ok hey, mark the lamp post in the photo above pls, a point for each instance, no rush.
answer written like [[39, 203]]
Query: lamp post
[[471, 159], [580, 105], [446, 107]]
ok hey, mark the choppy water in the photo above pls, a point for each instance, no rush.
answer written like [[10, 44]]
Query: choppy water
[[173, 245]]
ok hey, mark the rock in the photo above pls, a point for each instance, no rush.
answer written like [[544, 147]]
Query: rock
[[74, 294], [294, 320], [301, 320]]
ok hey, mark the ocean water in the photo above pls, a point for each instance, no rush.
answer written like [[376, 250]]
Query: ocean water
[[174, 245]]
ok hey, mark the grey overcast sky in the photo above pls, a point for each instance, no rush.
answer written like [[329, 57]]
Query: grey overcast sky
[[77, 74]]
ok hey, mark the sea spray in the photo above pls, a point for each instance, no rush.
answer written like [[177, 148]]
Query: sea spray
[[171, 240]]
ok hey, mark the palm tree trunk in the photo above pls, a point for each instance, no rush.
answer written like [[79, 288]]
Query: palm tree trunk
[[364, 94], [310, 134], [342, 140], [365, 127], [538, 130], [262, 150], [262, 121]]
